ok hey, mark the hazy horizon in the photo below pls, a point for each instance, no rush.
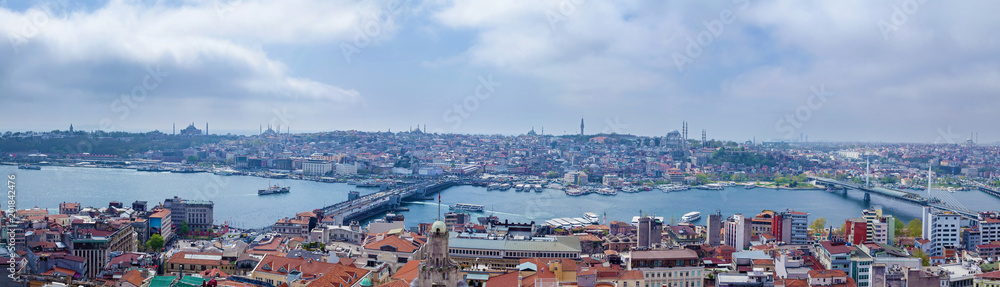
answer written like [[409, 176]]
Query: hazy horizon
[[891, 71]]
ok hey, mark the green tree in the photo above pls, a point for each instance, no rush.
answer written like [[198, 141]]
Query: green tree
[[192, 159], [553, 174], [900, 226], [701, 178], [818, 224], [155, 242], [914, 228], [925, 259], [185, 229]]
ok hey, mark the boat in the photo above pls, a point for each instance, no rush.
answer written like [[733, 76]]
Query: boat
[[750, 186], [537, 187], [691, 216], [186, 169], [29, 167], [714, 186], [151, 169], [519, 187], [393, 217], [468, 207], [493, 186], [504, 187], [592, 217], [273, 190], [575, 192], [607, 191]]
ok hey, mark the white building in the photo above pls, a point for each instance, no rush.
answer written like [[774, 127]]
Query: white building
[[942, 228], [347, 169], [881, 228], [315, 167], [738, 232]]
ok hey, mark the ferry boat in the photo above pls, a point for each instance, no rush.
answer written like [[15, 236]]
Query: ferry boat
[[519, 187], [493, 186], [607, 191], [273, 189], [750, 186], [537, 187], [714, 186], [186, 169], [30, 167], [575, 192], [691, 216], [152, 169], [468, 207], [505, 187], [590, 216]]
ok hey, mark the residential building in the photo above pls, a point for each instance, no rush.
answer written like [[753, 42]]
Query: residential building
[[300, 272], [70, 208], [198, 214], [991, 279], [649, 232], [347, 169], [941, 228], [856, 231], [316, 167], [880, 228], [791, 227], [195, 262], [96, 245], [714, 231], [834, 255], [680, 267], [161, 222], [738, 231]]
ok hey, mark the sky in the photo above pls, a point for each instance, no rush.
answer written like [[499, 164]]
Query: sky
[[883, 70]]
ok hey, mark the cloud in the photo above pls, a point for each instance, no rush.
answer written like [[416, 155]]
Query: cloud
[[213, 50]]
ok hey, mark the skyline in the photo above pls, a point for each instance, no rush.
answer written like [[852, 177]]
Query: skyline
[[893, 71]]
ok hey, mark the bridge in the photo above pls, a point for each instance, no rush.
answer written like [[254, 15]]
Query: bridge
[[989, 190], [904, 196], [360, 207]]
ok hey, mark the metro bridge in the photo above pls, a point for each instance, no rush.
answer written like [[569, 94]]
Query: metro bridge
[[358, 207], [904, 196]]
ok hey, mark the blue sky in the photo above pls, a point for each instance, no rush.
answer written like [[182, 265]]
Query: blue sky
[[914, 71]]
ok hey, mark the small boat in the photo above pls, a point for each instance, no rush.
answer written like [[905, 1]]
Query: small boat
[[186, 169], [493, 186], [592, 217], [273, 190], [575, 192], [537, 187], [750, 186], [505, 187], [691, 216], [152, 169], [468, 207], [519, 187], [29, 167]]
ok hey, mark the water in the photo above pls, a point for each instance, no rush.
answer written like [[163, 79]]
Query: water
[[237, 202]]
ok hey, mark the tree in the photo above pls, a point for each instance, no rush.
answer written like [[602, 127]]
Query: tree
[[702, 178], [192, 159], [155, 242], [914, 228], [818, 224], [184, 228], [925, 259], [900, 226]]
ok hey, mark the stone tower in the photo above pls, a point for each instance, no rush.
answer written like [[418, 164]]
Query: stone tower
[[436, 268]]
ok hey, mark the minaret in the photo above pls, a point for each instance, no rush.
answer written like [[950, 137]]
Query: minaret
[[174, 132], [581, 126], [206, 128], [71, 128], [261, 128], [704, 137]]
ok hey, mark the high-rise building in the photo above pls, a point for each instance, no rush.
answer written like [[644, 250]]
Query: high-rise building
[[791, 227], [880, 228], [96, 245], [989, 227], [197, 213], [714, 228], [738, 230], [856, 231], [941, 228], [649, 232]]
